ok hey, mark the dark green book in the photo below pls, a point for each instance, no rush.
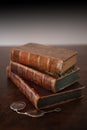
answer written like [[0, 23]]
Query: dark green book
[[42, 98], [46, 81]]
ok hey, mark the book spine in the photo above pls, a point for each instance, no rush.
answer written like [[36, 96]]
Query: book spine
[[37, 77], [27, 90], [43, 63]]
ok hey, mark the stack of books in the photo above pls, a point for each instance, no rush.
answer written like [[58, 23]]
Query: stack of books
[[47, 75]]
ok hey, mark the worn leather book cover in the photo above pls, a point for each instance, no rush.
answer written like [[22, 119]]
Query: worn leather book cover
[[42, 98], [46, 58], [44, 80]]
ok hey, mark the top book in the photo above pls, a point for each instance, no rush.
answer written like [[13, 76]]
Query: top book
[[45, 58]]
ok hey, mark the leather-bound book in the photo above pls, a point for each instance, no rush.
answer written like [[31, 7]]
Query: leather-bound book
[[44, 80], [42, 98], [46, 58]]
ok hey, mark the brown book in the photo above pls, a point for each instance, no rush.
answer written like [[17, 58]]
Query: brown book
[[50, 59], [44, 80], [42, 98]]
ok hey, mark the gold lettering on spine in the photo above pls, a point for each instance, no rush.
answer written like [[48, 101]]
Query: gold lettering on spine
[[36, 100], [43, 77], [38, 61], [34, 97], [53, 83], [59, 65], [48, 64]]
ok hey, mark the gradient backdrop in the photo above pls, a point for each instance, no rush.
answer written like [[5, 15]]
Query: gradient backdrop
[[64, 24]]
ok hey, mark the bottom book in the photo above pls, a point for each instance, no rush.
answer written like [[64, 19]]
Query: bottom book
[[42, 98]]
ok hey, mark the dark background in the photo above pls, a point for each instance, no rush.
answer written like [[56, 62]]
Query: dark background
[[61, 22]]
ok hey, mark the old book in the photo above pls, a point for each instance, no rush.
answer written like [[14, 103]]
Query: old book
[[42, 98], [44, 80], [50, 59]]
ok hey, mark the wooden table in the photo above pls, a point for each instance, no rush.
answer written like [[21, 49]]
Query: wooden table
[[72, 117]]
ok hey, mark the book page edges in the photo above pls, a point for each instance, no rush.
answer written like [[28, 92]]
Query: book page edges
[[60, 103], [72, 61]]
